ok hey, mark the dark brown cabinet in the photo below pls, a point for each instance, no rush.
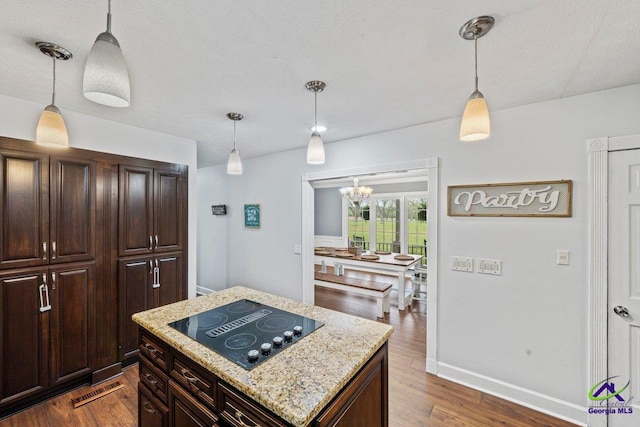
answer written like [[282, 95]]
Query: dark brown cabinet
[[152, 210], [197, 397], [45, 321], [146, 282], [186, 411], [86, 240], [23, 334], [73, 210], [25, 209], [48, 213], [152, 413], [70, 288]]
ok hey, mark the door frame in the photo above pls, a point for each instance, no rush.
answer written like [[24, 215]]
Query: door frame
[[432, 167], [598, 149]]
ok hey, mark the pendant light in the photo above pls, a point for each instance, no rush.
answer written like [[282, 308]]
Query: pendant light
[[315, 149], [234, 165], [106, 79], [475, 124], [51, 130]]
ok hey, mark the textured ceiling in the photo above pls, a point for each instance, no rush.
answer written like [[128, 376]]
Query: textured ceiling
[[387, 63]]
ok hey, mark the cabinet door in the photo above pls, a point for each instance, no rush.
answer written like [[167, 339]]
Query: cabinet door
[[136, 211], [169, 279], [24, 227], [169, 210], [73, 210], [186, 411], [151, 412], [70, 289], [136, 294], [23, 335]]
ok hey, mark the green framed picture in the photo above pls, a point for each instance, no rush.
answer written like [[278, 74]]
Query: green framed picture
[[252, 216]]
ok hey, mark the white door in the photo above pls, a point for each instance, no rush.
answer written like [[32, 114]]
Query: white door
[[624, 293]]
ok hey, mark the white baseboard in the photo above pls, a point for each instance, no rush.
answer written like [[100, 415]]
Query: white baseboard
[[432, 366], [203, 291], [531, 399]]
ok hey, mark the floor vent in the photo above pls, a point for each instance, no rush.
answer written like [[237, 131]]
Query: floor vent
[[96, 394]]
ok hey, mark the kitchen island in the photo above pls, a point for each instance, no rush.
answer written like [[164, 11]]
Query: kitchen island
[[336, 375]]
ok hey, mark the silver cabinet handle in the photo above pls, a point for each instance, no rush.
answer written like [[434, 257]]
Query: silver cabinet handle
[[53, 250], [150, 266], [53, 280], [147, 407], [156, 278], [621, 311], [45, 304], [156, 241], [150, 243], [44, 251]]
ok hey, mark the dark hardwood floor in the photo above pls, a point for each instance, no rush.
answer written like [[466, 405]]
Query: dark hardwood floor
[[415, 397]]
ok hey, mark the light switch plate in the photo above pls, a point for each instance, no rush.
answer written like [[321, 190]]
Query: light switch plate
[[490, 266], [297, 249], [562, 257], [459, 263]]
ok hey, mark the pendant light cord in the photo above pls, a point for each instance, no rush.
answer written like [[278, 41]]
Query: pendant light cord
[[53, 96], [315, 112], [109, 18], [234, 134], [475, 40]]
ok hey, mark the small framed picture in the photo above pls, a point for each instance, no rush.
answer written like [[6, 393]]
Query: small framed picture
[[252, 216]]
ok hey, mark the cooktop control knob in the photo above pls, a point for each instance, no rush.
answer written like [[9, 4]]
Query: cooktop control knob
[[277, 341], [266, 348], [288, 335], [253, 355], [297, 330]]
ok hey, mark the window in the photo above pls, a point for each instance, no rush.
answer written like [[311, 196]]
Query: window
[[390, 222]]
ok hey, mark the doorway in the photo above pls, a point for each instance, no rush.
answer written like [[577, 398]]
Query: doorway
[[614, 280], [430, 169], [623, 375]]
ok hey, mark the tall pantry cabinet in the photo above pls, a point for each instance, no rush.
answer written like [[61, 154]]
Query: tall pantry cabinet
[[68, 224], [150, 246]]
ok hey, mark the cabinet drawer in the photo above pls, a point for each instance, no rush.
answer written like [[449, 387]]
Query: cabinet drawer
[[151, 412], [187, 411], [194, 379], [240, 412], [154, 350], [153, 378]]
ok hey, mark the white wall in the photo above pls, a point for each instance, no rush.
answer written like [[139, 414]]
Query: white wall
[[212, 237], [526, 328], [19, 120]]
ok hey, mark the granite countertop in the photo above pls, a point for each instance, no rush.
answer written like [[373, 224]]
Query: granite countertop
[[301, 380]]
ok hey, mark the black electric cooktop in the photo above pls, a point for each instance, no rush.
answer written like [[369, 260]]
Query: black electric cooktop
[[247, 332]]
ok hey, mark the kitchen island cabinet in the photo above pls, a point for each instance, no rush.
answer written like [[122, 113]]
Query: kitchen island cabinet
[[335, 376]]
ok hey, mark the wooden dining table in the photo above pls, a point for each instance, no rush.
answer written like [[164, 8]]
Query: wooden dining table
[[386, 263]]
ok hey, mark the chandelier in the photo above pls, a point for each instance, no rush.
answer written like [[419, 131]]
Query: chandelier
[[356, 194]]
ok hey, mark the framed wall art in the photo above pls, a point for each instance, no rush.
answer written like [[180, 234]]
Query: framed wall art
[[526, 199], [252, 216]]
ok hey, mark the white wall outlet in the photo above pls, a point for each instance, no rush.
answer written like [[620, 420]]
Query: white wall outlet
[[490, 266], [459, 263], [562, 257], [297, 249]]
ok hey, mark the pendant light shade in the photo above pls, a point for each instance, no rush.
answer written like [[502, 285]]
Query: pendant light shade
[[476, 125], [106, 78], [234, 164], [51, 130], [315, 148]]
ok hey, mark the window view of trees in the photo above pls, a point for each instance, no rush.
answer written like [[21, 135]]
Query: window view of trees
[[387, 226]]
